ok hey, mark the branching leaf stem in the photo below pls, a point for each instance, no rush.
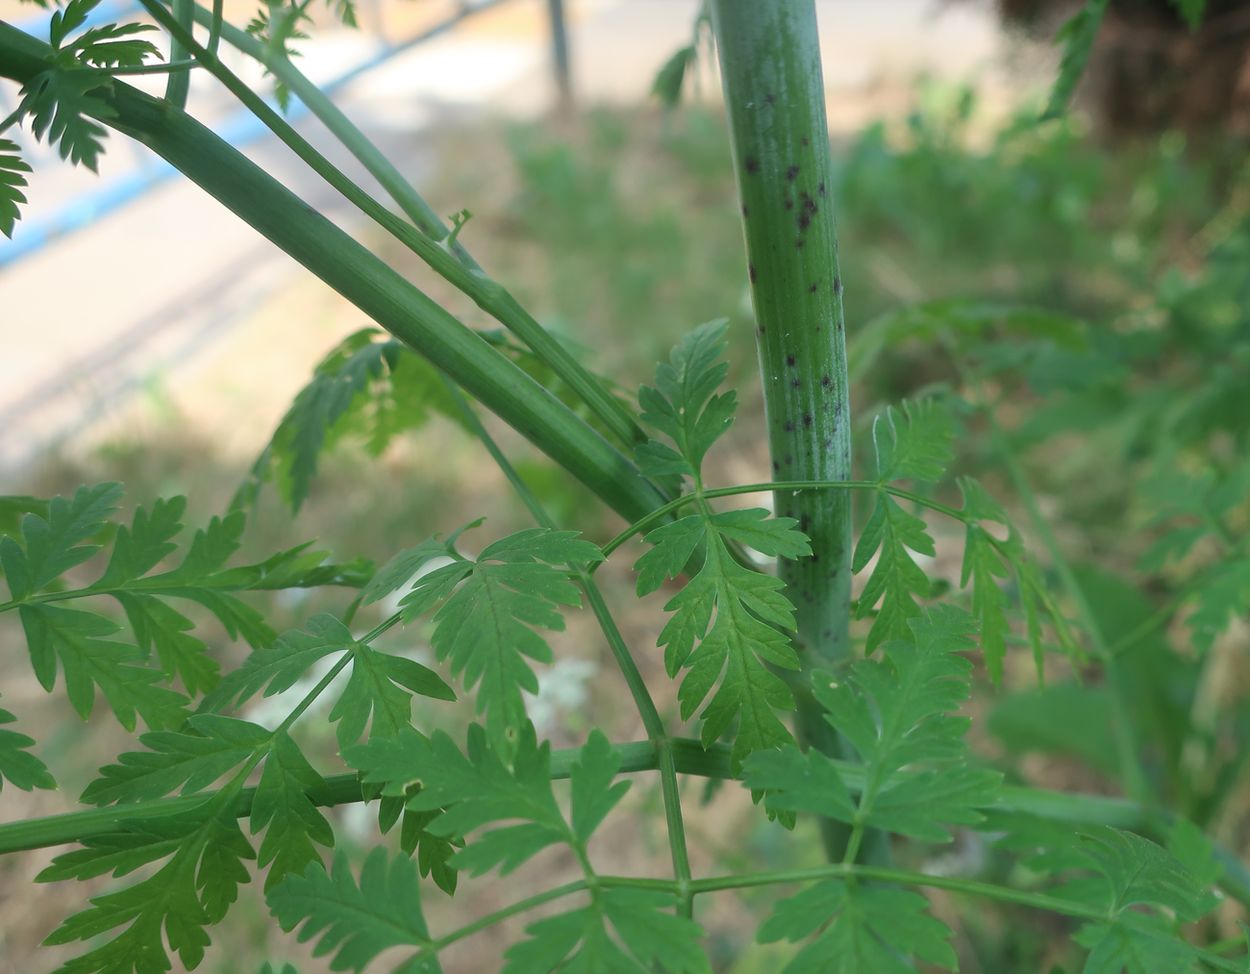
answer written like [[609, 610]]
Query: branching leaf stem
[[848, 871], [426, 238], [651, 719]]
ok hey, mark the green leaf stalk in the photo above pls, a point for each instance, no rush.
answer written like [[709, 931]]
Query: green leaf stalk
[[774, 92]]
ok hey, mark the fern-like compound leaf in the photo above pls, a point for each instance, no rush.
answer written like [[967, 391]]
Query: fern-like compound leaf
[[182, 761], [511, 798], [683, 403], [12, 181], [492, 611], [293, 825], [1141, 872], [473, 790], [1136, 944], [728, 623], [63, 105], [1141, 888], [1225, 596], [51, 545], [79, 642], [624, 931], [896, 582], [18, 766], [898, 714], [171, 909], [983, 566], [278, 24], [595, 790], [68, 19], [14, 507], [912, 443], [279, 667], [401, 569], [357, 921], [858, 929], [379, 693], [1076, 38], [338, 381], [113, 46], [433, 852], [987, 560], [365, 388]]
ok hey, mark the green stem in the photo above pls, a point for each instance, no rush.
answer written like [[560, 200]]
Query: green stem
[[770, 64], [774, 92], [449, 259], [689, 757], [353, 139], [848, 871], [139, 70], [179, 84], [666, 763], [342, 789], [378, 290], [661, 513], [311, 697], [307, 701], [216, 23], [156, 585], [901, 877], [643, 701], [521, 906]]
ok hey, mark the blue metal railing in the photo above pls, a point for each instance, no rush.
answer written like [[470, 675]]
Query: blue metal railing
[[240, 129]]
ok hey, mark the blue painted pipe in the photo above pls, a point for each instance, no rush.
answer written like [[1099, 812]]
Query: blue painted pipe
[[31, 236]]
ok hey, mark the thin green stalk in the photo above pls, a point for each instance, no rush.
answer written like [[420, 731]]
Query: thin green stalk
[[324, 110], [689, 757], [666, 760], [661, 513], [139, 70], [498, 916], [448, 259], [179, 84], [216, 22], [851, 871], [643, 701], [775, 97], [154, 585], [901, 877], [311, 697], [342, 789], [347, 267]]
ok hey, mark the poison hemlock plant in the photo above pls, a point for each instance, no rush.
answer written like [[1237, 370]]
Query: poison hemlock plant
[[870, 737]]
